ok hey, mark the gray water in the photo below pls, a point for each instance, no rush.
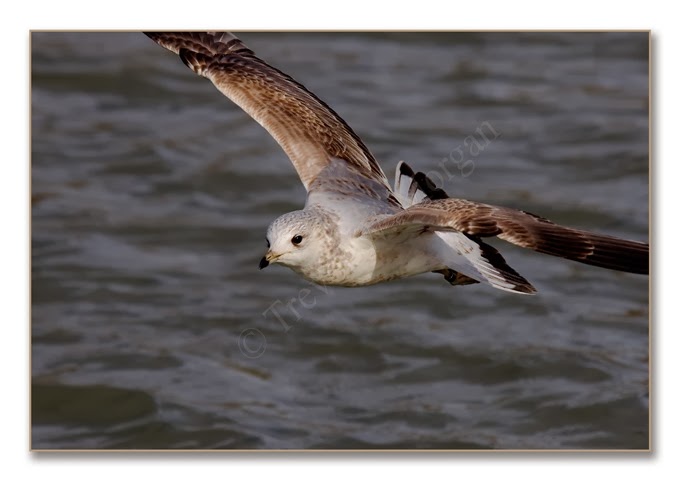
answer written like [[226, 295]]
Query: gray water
[[151, 193]]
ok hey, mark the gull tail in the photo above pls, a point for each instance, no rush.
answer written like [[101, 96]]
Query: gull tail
[[481, 262], [412, 188]]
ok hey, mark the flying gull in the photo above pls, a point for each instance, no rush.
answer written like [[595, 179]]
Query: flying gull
[[357, 230]]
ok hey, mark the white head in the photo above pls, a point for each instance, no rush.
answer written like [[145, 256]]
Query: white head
[[295, 240]]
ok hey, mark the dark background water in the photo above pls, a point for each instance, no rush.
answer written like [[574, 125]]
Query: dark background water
[[151, 194]]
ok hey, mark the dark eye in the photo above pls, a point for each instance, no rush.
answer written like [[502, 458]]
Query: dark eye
[[296, 240], [268, 243]]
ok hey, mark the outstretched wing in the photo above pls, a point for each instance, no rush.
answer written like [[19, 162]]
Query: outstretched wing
[[307, 129], [523, 229]]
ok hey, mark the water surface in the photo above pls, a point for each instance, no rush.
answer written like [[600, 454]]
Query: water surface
[[153, 328]]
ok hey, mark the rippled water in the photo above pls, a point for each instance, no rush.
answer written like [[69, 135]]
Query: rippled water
[[153, 328]]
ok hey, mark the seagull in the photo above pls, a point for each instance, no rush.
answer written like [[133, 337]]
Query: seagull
[[357, 230]]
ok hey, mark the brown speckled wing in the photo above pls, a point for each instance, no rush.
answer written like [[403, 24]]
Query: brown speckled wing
[[309, 131], [525, 230]]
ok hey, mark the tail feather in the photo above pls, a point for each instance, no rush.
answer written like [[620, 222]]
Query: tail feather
[[406, 187], [488, 264], [481, 262]]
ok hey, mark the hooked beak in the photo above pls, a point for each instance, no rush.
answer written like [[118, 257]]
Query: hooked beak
[[263, 262], [267, 259]]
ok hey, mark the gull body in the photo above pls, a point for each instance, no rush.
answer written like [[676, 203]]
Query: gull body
[[333, 250], [355, 228]]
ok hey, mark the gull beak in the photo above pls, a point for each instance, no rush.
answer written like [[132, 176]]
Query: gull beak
[[267, 259], [264, 262]]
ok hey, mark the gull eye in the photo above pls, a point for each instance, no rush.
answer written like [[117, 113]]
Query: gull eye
[[296, 240]]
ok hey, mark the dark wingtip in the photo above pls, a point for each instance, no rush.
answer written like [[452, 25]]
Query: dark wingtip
[[490, 253], [405, 169], [525, 289], [429, 187]]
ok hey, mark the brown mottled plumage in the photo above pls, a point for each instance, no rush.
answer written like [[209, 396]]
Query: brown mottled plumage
[[423, 231], [525, 230], [307, 129]]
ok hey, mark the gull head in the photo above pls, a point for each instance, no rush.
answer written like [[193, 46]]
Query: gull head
[[294, 240]]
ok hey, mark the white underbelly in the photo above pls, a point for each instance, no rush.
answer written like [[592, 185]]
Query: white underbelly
[[379, 261]]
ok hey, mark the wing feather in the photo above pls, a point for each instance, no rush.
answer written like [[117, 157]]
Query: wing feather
[[525, 230], [307, 129]]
